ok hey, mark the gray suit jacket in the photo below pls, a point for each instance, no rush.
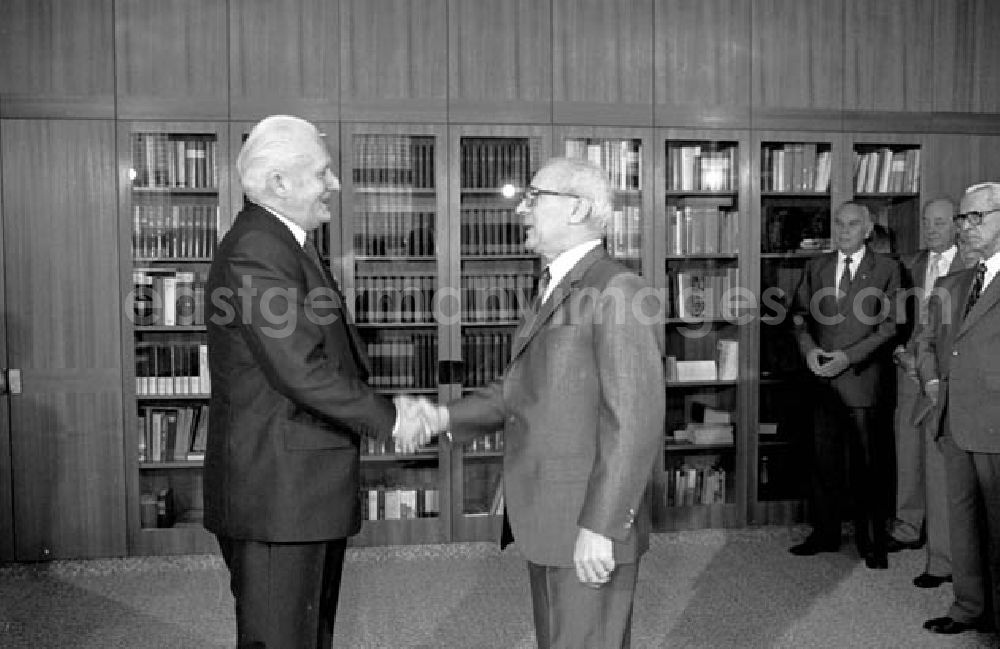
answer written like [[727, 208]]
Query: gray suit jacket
[[866, 335], [582, 407], [963, 355]]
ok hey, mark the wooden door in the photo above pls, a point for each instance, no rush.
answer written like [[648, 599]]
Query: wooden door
[[62, 320]]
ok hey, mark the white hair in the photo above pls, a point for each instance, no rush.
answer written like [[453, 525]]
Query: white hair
[[587, 180], [992, 190], [275, 143]]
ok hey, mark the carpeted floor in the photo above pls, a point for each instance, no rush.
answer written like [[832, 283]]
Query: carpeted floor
[[705, 589]]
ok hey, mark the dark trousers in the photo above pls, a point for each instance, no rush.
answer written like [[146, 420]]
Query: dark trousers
[[570, 615], [974, 512], [849, 446], [286, 593]]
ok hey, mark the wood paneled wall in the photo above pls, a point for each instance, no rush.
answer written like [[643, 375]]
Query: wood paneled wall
[[56, 58], [853, 65]]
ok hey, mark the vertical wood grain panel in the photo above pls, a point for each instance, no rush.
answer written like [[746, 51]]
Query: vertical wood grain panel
[[499, 61], [701, 70], [284, 58], [797, 69], [56, 58], [171, 59], [958, 161], [967, 56], [887, 54], [602, 64], [394, 63], [64, 332], [6, 484]]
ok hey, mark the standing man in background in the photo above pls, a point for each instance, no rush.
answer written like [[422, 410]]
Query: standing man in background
[[582, 407], [844, 318], [921, 494], [957, 362], [289, 399]]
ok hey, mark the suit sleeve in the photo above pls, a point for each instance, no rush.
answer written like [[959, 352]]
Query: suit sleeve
[[885, 330], [925, 341], [288, 344], [800, 310], [479, 413], [632, 409]]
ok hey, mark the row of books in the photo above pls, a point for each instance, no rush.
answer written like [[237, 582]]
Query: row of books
[[172, 368], [485, 443], [795, 167], [704, 293], [699, 227], [496, 297], [490, 163], [386, 160], [403, 360], [171, 161], [485, 355], [376, 447], [400, 504], [172, 434], [491, 231], [622, 159], [624, 233], [185, 231], [696, 480], [168, 297], [887, 171], [724, 367], [695, 167], [389, 234], [394, 298]]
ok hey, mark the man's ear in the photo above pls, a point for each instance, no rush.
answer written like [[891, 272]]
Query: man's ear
[[277, 183], [581, 211]]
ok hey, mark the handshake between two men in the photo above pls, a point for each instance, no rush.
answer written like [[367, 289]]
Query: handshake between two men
[[419, 421]]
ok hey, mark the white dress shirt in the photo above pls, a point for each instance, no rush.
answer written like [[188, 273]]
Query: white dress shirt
[[856, 258], [565, 262]]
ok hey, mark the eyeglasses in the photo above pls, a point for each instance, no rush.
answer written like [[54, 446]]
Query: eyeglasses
[[530, 195], [972, 218]]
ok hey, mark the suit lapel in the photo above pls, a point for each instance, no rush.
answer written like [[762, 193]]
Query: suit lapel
[[828, 272], [987, 300], [560, 293], [920, 270]]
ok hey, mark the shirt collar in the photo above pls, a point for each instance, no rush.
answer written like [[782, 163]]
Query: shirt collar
[[566, 260], [856, 256], [992, 268], [948, 255], [297, 230]]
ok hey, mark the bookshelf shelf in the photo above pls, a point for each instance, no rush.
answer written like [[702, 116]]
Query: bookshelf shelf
[[681, 193], [176, 191], [169, 328], [703, 256], [483, 455], [395, 325], [401, 457], [794, 194], [164, 466], [173, 397], [675, 447], [687, 385], [891, 195], [142, 261]]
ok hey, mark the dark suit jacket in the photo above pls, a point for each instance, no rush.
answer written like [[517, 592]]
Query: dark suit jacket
[[963, 355], [582, 407], [867, 335], [914, 271], [288, 402]]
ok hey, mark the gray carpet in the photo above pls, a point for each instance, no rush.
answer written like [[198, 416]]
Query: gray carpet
[[705, 589]]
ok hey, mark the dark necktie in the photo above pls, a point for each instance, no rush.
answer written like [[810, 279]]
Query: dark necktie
[[977, 288], [543, 285], [844, 286]]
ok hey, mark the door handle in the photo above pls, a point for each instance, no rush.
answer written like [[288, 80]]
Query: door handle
[[10, 381]]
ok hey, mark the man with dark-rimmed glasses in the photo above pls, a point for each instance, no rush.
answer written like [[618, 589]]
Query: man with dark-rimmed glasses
[[957, 362]]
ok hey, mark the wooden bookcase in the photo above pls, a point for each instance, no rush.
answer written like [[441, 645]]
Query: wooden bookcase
[[174, 203]]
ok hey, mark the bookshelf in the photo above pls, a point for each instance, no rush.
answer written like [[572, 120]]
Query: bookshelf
[[702, 203], [173, 203], [387, 249], [496, 279], [797, 186], [885, 176]]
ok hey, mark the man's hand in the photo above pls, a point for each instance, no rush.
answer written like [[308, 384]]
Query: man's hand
[[907, 362], [412, 431], [832, 363], [593, 557], [812, 360]]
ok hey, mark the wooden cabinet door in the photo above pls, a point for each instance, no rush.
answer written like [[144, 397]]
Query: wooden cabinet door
[[62, 318]]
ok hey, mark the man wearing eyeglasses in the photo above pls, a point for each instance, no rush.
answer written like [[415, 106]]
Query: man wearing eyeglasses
[[582, 408], [957, 362]]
